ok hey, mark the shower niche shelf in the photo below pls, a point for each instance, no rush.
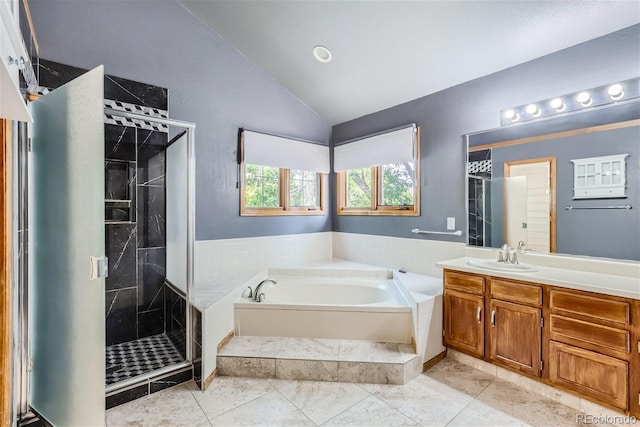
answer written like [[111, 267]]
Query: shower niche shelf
[[119, 191]]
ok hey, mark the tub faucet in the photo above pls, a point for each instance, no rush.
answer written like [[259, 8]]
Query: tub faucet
[[256, 293]]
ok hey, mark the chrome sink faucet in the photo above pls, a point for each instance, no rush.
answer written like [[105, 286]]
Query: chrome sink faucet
[[257, 295], [509, 255], [503, 253]]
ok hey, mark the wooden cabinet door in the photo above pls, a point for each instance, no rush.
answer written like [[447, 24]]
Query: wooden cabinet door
[[592, 374], [463, 322], [516, 336]]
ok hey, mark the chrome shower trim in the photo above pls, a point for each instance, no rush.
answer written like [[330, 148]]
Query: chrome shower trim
[[168, 122], [124, 384]]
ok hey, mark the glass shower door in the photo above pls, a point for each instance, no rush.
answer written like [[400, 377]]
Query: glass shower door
[[66, 217]]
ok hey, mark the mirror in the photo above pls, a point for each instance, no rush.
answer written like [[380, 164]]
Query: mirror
[[549, 185]]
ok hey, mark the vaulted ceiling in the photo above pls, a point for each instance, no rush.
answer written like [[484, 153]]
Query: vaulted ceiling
[[389, 52]]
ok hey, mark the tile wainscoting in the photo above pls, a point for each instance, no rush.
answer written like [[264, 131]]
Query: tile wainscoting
[[412, 255], [215, 258]]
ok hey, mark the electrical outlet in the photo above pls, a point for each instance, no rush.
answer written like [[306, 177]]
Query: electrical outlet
[[451, 223]]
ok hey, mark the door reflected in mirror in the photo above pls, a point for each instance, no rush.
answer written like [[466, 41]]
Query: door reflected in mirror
[[529, 204]]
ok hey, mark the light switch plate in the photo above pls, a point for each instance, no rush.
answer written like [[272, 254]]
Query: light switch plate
[[451, 223]]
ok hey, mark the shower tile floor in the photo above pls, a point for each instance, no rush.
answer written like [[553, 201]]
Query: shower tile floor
[[450, 393], [133, 358]]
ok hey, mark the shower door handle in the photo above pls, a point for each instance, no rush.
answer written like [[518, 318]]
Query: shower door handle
[[99, 267]]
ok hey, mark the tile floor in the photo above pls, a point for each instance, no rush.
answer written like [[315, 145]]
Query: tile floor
[[450, 393], [137, 357]]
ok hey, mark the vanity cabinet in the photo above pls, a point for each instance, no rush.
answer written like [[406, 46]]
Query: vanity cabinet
[[516, 325], [513, 330], [590, 345], [581, 342], [463, 313], [516, 336]]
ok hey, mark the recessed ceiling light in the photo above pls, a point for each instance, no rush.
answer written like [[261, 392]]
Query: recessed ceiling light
[[322, 54]]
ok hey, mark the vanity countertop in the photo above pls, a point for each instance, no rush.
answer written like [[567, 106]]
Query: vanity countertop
[[609, 284]]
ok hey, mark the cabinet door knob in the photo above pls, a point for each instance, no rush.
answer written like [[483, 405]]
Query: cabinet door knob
[[493, 318], [479, 314]]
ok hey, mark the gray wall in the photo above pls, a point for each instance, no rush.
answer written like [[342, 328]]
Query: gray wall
[[599, 232], [209, 81], [212, 84], [446, 116]]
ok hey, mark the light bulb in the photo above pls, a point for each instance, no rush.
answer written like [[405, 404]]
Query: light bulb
[[533, 110], [615, 91], [584, 99], [558, 105], [511, 115]]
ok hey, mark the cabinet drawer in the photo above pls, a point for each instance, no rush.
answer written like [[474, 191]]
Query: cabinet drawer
[[591, 374], [592, 308], [516, 292], [589, 335], [464, 282]]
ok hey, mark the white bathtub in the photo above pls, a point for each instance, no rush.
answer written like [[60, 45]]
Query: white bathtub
[[347, 307]]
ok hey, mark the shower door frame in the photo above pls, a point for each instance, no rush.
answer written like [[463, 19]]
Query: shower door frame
[[21, 352], [190, 249]]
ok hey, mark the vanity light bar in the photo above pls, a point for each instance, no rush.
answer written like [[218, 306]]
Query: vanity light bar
[[570, 103]]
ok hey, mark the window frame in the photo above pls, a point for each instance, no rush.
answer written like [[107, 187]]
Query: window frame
[[376, 209], [285, 209]]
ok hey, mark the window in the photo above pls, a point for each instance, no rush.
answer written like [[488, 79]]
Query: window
[[383, 189], [304, 189], [262, 187], [281, 176], [268, 191]]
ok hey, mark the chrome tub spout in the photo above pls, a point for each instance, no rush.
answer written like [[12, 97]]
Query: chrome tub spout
[[256, 293]]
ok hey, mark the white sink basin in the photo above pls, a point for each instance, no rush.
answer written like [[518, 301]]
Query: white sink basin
[[502, 266]]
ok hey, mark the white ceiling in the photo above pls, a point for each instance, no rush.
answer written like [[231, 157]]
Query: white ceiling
[[389, 52]]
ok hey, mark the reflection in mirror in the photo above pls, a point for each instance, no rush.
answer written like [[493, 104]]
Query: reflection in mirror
[[521, 189]]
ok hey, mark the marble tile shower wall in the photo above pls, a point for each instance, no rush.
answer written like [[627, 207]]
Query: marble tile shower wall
[[175, 310], [136, 294]]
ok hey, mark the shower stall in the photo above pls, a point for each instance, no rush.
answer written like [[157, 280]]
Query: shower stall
[[146, 219], [479, 208], [107, 238], [479, 172]]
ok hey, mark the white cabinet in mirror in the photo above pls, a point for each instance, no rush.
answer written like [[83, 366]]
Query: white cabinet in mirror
[[599, 177]]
